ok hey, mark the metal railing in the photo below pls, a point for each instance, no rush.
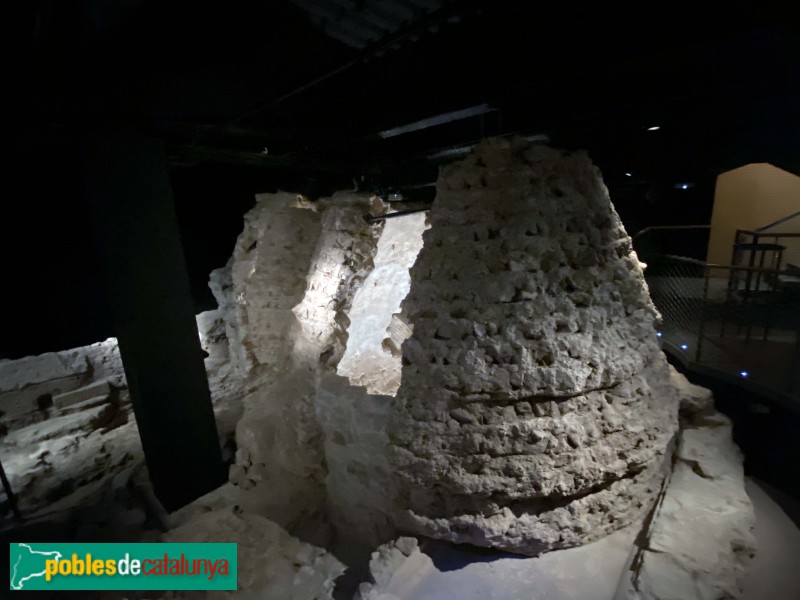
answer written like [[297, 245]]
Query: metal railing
[[751, 246], [684, 240], [781, 221], [715, 318], [647, 230]]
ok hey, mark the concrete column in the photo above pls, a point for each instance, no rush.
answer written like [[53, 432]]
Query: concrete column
[[137, 239]]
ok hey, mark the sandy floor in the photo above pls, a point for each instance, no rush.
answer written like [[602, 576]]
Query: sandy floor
[[774, 574], [590, 572]]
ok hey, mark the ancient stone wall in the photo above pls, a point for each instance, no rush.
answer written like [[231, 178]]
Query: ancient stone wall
[[354, 411], [699, 540], [265, 279], [280, 439], [66, 422], [535, 408], [271, 563]]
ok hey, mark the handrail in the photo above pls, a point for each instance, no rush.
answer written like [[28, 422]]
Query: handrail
[[700, 263], [778, 222], [691, 261], [768, 234], [654, 227]]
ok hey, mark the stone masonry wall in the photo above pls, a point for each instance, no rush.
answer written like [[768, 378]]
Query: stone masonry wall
[[280, 439], [535, 408], [265, 279], [66, 423]]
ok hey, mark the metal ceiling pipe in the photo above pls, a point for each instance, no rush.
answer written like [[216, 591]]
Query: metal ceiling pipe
[[438, 17], [394, 215]]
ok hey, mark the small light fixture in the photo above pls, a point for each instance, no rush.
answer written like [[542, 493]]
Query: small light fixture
[[658, 334], [654, 128], [684, 347], [744, 374], [628, 174]]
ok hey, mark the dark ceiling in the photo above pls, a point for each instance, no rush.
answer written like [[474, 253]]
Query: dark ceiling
[[255, 95]]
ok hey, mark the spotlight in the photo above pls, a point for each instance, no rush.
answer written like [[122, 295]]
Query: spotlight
[[628, 174], [658, 334], [743, 374], [654, 128], [684, 347]]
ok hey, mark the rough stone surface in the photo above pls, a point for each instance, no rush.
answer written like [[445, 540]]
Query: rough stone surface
[[535, 406], [227, 385], [359, 483], [694, 398], [354, 415], [220, 281], [701, 539], [272, 563], [93, 390], [266, 278], [28, 385], [36, 388], [399, 558], [535, 410], [17, 374], [72, 456], [67, 430], [279, 449], [280, 442], [342, 259], [696, 544]]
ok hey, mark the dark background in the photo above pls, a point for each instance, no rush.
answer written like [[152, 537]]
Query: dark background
[[315, 82]]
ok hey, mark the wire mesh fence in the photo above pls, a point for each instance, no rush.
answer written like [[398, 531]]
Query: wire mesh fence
[[677, 287], [741, 321]]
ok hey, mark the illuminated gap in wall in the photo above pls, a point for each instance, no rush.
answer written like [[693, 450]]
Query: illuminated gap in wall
[[371, 359]]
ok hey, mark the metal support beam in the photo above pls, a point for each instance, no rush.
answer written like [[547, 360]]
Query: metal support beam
[[12, 499], [394, 215], [137, 239]]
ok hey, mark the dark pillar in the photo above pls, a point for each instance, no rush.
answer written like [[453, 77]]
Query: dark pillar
[[12, 499], [136, 230]]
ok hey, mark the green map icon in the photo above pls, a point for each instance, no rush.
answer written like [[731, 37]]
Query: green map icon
[[27, 563]]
